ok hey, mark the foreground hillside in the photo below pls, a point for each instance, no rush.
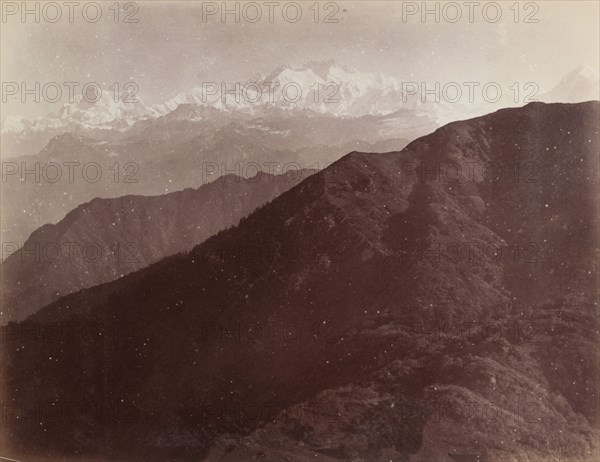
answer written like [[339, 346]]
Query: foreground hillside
[[376, 311]]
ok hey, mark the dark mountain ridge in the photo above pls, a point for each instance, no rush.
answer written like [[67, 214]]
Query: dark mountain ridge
[[104, 239], [346, 298]]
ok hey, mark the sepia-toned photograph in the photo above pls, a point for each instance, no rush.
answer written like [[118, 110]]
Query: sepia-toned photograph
[[300, 231]]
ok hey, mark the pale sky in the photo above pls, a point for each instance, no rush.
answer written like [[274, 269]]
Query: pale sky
[[171, 49]]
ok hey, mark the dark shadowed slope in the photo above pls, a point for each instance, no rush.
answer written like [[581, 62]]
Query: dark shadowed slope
[[105, 239], [376, 310]]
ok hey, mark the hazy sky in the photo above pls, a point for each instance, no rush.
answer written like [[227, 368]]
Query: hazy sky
[[171, 49]]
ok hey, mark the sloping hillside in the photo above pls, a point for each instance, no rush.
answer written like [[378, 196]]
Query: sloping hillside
[[374, 311]]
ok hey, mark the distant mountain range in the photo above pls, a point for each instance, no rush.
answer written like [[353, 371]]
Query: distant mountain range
[[357, 326], [317, 87], [352, 94], [178, 151], [105, 239]]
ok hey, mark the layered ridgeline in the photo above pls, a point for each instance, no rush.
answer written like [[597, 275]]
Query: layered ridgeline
[[185, 148], [112, 147], [118, 145], [377, 310], [105, 239]]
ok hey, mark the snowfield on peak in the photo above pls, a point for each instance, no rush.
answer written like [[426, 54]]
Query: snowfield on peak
[[99, 111], [323, 87], [104, 111]]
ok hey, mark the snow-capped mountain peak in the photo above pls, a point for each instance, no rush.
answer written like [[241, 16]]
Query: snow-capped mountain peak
[[580, 84], [102, 110], [95, 110], [320, 86]]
